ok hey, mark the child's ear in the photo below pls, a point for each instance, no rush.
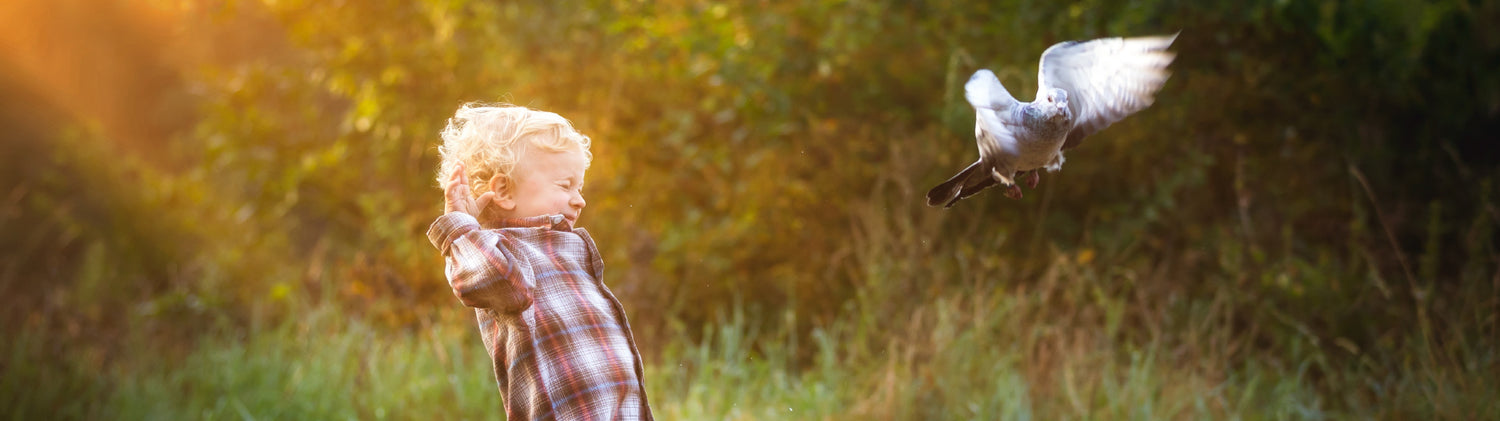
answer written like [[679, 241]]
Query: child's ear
[[503, 192]]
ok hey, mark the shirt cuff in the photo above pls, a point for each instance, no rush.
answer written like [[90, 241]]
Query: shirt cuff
[[449, 227]]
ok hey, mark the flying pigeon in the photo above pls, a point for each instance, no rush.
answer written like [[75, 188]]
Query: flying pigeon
[[1082, 87]]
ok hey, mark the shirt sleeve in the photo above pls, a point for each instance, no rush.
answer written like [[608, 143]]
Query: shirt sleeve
[[479, 264]]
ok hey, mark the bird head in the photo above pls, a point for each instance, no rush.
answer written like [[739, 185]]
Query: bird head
[[1058, 99]]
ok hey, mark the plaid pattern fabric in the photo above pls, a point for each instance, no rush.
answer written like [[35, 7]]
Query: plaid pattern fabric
[[558, 338]]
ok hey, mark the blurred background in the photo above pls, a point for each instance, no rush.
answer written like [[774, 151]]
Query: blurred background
[[215, 209]]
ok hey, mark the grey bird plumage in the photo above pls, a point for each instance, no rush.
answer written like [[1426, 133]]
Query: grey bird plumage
[[1082, 87]]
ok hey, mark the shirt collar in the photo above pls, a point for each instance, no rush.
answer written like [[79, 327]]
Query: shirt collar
[[555, 221]]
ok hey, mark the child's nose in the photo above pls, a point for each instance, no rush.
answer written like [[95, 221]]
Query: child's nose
[[578, 201]]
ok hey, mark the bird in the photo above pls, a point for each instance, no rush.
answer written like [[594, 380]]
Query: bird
[[1082, 88]]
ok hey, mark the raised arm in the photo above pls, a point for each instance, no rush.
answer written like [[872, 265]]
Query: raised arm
[[480, 265]]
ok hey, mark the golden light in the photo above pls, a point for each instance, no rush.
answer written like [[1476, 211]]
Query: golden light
[[111, 64]]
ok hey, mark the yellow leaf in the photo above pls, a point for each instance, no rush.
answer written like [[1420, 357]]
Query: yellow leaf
[[280, 291], [1085, 256]]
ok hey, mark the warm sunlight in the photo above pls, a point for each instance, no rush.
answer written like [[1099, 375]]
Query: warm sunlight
[[103, 61]]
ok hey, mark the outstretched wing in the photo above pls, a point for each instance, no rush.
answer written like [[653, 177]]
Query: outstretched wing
[[991, 101], [983, 90], [1107, 79]]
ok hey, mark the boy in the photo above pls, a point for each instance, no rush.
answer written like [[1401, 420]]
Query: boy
[[558, 338]]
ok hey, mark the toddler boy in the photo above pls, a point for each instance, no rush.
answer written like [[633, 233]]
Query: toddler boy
[[558, 337]]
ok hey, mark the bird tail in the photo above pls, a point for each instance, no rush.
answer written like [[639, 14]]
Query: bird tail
[[947, 192]]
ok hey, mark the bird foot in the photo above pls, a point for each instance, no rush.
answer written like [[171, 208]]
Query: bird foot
[[1032, 178], [1013, 191]]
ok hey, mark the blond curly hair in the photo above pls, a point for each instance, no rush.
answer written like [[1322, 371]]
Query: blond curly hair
[[490, 140]]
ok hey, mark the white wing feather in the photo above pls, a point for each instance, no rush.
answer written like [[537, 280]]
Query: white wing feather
[[990, 99], [1107, 79], [983, 90]]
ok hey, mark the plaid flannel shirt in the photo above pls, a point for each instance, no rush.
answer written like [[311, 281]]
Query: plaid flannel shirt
[[558, 337]]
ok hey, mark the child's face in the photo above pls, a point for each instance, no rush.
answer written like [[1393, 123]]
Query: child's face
[[546, 183]]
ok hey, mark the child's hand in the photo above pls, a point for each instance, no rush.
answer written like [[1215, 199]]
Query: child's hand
[[456, 195]]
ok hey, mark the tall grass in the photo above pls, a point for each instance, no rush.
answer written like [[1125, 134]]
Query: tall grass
[[1054, 350], [970, 357], [938, 329], [932, 334], [975, 356], [319, 365]]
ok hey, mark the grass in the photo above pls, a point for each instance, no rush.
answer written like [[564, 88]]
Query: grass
[[964, 359], [983, 354], [322, 365], [986, 355], [1075, 336]]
